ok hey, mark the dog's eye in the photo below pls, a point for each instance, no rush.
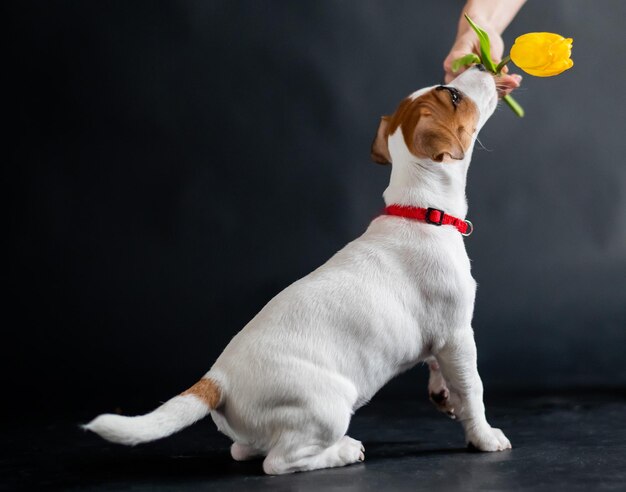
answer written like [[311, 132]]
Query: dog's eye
[[455, 95]]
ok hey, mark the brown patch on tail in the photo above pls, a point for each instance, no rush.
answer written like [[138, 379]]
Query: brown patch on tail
[[207, 390]]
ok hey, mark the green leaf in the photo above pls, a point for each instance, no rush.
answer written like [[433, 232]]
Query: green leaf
[[514, 105], [485, 46], [464, 61], [502, 64]]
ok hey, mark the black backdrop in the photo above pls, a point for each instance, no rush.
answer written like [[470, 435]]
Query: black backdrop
[[173, 165]]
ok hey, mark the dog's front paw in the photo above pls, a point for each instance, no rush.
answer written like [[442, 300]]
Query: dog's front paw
[[487, 439]]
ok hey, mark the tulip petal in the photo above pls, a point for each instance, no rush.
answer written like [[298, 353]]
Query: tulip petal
[[542, 54]]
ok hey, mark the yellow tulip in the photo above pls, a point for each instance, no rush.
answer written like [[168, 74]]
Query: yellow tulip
[[542, 54]]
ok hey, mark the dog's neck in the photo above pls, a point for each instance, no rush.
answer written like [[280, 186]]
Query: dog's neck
[[429, 184]]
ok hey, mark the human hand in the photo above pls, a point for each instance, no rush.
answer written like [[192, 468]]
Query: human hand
[[467, 42]]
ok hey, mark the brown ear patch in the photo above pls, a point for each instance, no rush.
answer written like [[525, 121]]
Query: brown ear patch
[[380, 149], [434, 127], [207, 390]]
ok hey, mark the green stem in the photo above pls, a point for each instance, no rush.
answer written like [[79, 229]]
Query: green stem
[[513, 104], [501, 65]]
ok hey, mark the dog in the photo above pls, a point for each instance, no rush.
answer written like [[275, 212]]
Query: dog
[[287, 385]]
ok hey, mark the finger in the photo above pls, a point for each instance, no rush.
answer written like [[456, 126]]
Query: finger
[[504, 69], [460, 48], [508, 83], [513, 80], [450, 76], [447, 64], [505, 90]]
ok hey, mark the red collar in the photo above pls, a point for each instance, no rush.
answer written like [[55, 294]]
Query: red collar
[[432, 216]]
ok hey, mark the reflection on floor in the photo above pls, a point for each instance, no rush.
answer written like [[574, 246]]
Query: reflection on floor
[[568, 442]]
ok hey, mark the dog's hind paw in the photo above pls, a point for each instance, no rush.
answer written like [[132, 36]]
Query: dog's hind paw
[[351, 450]]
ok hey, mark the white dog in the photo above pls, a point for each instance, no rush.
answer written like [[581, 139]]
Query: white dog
[[287, 385]]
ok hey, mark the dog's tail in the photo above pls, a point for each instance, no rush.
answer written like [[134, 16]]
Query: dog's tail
[[174, 415]]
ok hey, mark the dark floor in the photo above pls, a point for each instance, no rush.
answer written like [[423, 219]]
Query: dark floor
[[572, 442]]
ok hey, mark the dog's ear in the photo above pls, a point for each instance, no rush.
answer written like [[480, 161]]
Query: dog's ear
[[380, 148], [436, 141]]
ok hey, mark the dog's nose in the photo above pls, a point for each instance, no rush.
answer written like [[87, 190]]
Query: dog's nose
[[480, 67]]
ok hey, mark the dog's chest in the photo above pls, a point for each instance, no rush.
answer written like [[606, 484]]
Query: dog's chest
[[436, 280], [446, 291]]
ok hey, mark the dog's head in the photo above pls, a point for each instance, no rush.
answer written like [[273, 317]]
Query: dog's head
[[437, 123]]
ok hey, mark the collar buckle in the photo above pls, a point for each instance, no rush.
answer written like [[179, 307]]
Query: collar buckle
[[428, 219]]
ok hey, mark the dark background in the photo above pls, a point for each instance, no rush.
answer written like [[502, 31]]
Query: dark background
[[173, 165]]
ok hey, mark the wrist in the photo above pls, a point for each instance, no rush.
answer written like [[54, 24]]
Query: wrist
[[493, 14]]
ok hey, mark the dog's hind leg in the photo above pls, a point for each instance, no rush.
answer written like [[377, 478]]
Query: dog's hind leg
[[313, 456], [315, 439], [241, 452], [457, 360]]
